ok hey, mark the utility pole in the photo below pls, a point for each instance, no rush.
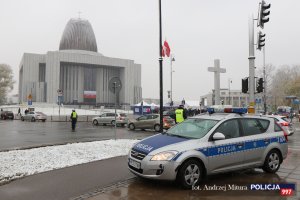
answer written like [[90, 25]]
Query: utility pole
[[251, 58], [160, 71], [265, 83], [171, 93], [229, 81]]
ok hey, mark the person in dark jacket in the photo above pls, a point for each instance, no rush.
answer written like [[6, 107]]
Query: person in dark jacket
[[74, 117]]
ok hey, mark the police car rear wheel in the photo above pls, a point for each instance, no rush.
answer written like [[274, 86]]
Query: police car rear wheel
[[190, 173], [272, 162]]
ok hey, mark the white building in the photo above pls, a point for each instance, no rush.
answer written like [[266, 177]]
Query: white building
[[79, 71], [235, 98]]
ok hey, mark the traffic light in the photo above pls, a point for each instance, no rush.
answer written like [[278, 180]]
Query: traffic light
[[222, 102], [245, 85], [169, 94], [260, 40], [263, 14], [260, 85]]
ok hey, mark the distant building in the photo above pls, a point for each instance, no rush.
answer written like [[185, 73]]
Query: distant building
[[13, 99], [79, 71], [236, 98]]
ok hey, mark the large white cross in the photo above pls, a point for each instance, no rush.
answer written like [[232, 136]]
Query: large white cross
[[217, 70]]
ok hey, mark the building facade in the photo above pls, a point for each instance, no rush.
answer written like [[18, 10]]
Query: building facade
[[233, 97], [77, 73]]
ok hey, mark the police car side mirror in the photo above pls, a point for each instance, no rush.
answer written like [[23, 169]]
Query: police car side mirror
[[218, 136]]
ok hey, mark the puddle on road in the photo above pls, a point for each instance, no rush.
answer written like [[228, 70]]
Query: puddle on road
[[140, 189]]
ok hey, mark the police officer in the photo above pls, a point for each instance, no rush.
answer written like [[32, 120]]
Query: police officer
[[74, 117], [180, 113]]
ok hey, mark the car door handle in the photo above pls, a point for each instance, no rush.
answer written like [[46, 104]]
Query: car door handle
[[240, 144], [266, 140]]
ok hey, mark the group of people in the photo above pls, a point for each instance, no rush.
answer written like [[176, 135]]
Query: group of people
[[181, 113]]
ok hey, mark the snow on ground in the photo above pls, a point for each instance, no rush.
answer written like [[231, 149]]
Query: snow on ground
[[19, 163], [53, 109]]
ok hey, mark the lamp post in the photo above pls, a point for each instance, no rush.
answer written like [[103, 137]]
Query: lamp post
[[160, 70], [172, 60], [229, 82]]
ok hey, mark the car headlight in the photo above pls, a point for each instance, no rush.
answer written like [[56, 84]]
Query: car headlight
[[166, 155]]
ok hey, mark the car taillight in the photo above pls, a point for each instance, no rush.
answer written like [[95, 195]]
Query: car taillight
[[284, 133], [284, 124]]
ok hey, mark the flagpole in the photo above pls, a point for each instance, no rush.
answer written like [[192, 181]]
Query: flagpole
[[160, 71]]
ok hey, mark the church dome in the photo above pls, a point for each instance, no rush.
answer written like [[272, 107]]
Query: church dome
[[78, 34]]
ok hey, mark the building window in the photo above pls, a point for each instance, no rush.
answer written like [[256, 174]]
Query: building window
[[42, 72]]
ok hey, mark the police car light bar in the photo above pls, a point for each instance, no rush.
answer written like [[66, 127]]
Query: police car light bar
[[227, 110]]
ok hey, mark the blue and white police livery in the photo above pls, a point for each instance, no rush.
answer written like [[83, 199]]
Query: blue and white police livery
[[208, 144]]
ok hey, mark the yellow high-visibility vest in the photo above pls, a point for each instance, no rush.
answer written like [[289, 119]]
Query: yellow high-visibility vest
[[179, 115], [74, 115]]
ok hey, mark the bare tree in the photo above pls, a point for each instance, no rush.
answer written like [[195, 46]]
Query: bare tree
[[6, 81], [286, 82]]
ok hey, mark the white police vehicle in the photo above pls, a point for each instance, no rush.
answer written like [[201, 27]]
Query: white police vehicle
[[208, 144]]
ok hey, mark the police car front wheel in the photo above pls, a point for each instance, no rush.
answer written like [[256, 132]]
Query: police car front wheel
[[190, 173], [272, 161]]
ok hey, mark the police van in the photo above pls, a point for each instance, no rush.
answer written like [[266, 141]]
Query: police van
[[221, 140]]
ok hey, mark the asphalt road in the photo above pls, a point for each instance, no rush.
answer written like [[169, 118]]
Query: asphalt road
[[16, 134]]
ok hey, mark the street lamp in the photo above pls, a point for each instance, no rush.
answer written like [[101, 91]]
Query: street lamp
[[172, 59], [160, 70], [229, 82]]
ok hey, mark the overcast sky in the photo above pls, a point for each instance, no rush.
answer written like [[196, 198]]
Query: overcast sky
[[198, 31]]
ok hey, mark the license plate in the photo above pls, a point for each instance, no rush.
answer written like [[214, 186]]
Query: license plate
[[134, 164]]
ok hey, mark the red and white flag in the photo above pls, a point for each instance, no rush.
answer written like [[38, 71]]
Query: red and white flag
[[166, 49]]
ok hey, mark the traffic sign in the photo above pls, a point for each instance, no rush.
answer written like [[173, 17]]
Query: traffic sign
[[60, 92], [296, 101], [252, 104], [115, 85]]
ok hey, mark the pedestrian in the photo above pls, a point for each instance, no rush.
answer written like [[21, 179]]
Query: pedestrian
[[74, 117], [183, 102], [19, 111], [26, 111], [180, 113], [291, 116]]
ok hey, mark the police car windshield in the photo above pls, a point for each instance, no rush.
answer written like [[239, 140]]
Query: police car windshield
[[193, 128]]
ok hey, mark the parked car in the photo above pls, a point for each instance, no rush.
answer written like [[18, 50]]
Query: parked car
[[7, 115], [109, 118], [285, 123], [34, 116], [150, 121], [170, 113]]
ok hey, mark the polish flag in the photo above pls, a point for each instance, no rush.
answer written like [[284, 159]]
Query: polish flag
[[166, 49]]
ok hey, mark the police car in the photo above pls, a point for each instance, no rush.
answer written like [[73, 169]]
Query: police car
[[210, 143]]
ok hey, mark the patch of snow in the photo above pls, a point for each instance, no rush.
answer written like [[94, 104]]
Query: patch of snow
[[19, 163], [53, 110]]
